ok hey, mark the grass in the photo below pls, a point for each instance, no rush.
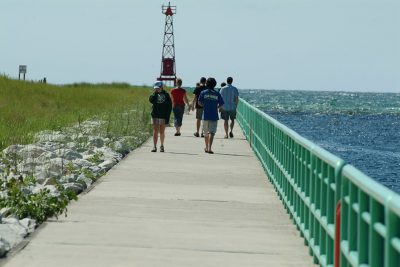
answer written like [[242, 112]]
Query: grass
[[27, 108]]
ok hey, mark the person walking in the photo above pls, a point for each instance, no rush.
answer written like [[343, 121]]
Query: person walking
[[230, 94], [195, 104], [179, 99], [160, 113], [211, 101]]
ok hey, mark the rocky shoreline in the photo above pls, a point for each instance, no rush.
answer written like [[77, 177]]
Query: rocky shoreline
[[71, 159]]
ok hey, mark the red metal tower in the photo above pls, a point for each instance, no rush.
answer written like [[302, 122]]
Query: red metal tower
[[168, 68]]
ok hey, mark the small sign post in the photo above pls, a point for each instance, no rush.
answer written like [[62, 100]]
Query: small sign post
[[22, 70]]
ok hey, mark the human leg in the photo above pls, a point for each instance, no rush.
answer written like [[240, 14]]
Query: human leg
[[210, 142], [226, 128], [155, 137], [162, 134], [199, 115], [198, 122], [178, 117], [206, 136], [225, 117], [232, 116], [212, 129]]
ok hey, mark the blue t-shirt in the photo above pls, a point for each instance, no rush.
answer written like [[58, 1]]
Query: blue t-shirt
[[211, 100], [229, 93]]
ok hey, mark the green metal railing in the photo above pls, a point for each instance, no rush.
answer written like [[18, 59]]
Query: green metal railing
[[312, 183]]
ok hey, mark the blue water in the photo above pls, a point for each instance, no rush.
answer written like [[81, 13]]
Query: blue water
[[361, 128]]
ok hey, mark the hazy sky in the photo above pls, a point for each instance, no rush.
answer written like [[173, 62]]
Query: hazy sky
[[267, 44]]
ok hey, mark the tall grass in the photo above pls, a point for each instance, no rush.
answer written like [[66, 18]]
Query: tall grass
[[27, 108]]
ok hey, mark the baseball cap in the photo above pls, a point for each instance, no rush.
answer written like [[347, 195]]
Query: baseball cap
[[158, 84]]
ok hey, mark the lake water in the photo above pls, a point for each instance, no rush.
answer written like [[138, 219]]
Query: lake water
[[361, 128]]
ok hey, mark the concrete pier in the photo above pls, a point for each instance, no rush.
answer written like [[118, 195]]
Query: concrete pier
[[179, 208]]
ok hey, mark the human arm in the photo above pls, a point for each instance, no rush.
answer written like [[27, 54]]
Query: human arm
[[220, 103], [236, 98], [185, 99], [201, 99], [152, 98], [168, 103], [194, 102]]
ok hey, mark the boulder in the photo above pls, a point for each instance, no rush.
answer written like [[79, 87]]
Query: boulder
[[107, 164], [4, 247], [31, 152], [57, 165], [50, 181], [68, 178], [70, 154], [12, 231], [87, 181], [29, 224], [96, 141], [75, 187], [121, 147], [47, 156], [52, 136], [12, 150], [82, 163]]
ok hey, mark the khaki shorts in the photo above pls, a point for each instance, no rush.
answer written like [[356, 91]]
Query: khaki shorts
[[158, 121], [199, 113], [210, 127]]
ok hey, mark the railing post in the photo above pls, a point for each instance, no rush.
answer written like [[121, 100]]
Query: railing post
[[251, 133], [337, 234]]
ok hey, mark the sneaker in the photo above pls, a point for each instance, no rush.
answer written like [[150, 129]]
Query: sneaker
[[231, 135], [177, 134], [226, 136], [202, 135], [161, 148], [154, 149], [196, 134]]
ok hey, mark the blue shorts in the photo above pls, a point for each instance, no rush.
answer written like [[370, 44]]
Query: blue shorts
[[178, 115]]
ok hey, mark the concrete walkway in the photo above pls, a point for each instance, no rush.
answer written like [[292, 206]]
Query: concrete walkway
[[179, 208]]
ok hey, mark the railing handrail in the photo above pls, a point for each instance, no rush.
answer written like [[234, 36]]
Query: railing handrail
[[314, 184], [326, 155]]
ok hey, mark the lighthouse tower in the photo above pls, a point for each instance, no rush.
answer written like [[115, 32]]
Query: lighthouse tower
[[168, 68]]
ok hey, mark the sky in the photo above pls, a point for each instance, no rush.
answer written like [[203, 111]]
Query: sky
[[346, 45]]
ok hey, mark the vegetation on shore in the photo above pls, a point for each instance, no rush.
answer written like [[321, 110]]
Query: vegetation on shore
[[27, 108]]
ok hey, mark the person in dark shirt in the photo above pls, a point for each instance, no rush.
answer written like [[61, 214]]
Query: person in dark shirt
[[195, 104], [160, 113], [211, 101]]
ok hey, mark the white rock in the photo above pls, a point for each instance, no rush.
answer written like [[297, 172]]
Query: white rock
[[121, 147], [57, 165], [107, 164], [13, 149], [29, 224], [81, 163], [47, 156], [96, 141], [70, 154], [46, 136], [4, 247], [31, 152], [15, 230], [75, 187], [82, 178]]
